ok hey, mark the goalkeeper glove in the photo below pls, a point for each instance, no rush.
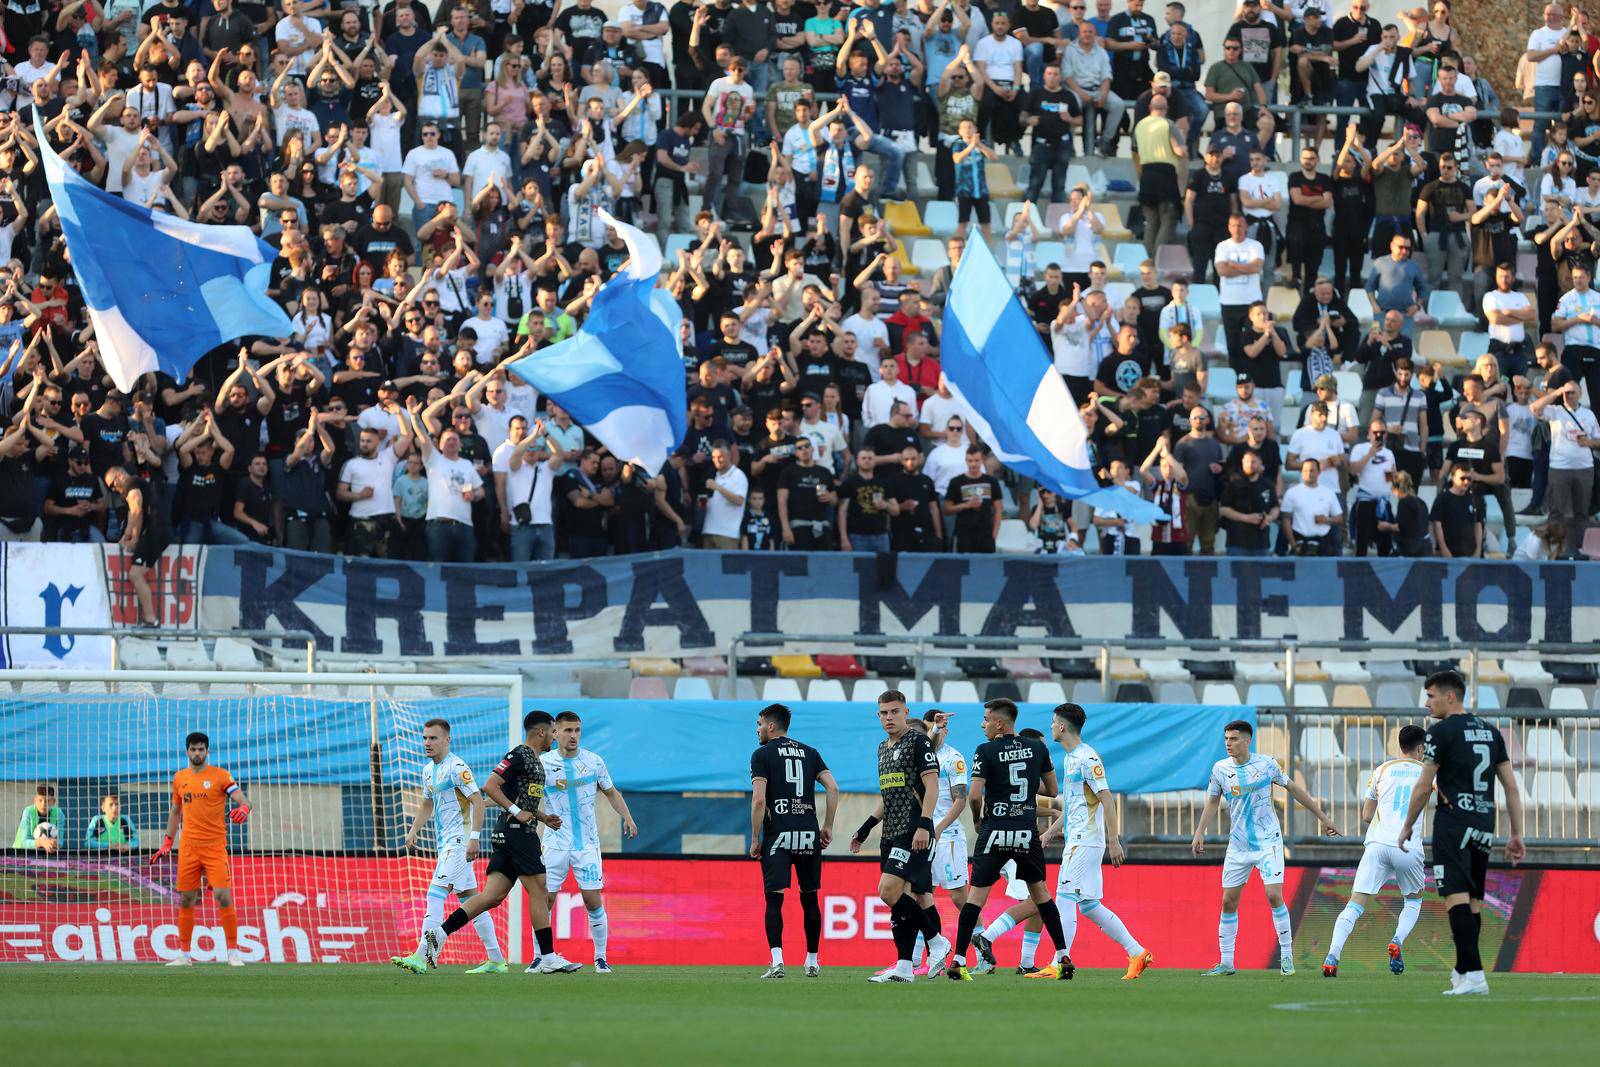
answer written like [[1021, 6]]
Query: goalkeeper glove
[[239, 814], [164, 850]]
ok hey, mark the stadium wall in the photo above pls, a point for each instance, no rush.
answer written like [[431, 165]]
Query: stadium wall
[[707, 911]]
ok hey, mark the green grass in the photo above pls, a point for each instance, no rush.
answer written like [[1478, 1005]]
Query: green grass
[[137, 1014]]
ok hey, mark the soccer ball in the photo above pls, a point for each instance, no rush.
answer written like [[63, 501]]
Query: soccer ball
[[45, 831]]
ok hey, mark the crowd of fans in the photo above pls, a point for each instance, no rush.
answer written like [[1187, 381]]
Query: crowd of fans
[[432, 184]]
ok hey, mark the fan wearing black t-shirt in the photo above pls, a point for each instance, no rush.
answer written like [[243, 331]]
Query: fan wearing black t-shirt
[[866, 503], [1052, 112], [1310, 197], [973, 499], [806, 500]]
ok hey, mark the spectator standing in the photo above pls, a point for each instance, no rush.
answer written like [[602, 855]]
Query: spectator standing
[[1249, 508], [1404, 412], [1577, 319], [726, 490], [1052, 113], [1372, 465], [1313, 511], [867, 502], [998, 58], [1457, 518], [1240, 262], [729, 103], [1574, 434], [1161, 154], [1211, 197], [806, 501], [973, 500], [1547, 46]]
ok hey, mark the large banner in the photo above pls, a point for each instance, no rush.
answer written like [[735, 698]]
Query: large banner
[[311, 909], [695, 602], [50, 586]]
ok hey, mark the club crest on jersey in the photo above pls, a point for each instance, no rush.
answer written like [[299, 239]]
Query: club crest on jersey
[[466, 776], [206, 784], [1099, 771], [961, 766], [1235, 790]]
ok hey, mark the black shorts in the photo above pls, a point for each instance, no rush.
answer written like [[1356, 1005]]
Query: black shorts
[[997, 847], [967, 206], [776, 862], [1461, 858], [517, 854], [901, 860], [147, 550]]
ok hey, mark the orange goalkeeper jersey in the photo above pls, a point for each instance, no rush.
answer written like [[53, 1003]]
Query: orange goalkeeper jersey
[[203, 792]]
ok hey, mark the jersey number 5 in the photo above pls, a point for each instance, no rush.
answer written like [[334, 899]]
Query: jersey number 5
[[1019, 782]]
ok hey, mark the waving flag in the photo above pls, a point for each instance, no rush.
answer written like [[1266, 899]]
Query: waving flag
[[996, 365], [621, 376], [160, 291]]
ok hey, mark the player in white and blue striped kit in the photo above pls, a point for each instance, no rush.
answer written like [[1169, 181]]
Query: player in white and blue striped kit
[[573, 775], [1255, 840]]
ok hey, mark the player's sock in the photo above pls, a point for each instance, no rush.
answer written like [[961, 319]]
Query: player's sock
[[484, 924], [811, 916], [545, 940], [1051, 915], [1342, 928], [433, 914], [1068, 910], [919, 950], [904, 920], [934, 927], [774, 920], [1410, 911], [1280, 923], [1030, 948], [455, 921], [186, 929], [230, 925], [1111, 925], [1001, 926], [1464, 931], [970, 914], [811, 959], [1227, 934]]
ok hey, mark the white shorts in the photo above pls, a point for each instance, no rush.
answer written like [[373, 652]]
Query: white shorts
[[1080, 877], [1381, 864], [1016, 888], [1239, 862], [584, 863], [454, 870], [950, 862]]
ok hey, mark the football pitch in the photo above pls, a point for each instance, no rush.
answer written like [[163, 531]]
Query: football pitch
[[110, 1014]]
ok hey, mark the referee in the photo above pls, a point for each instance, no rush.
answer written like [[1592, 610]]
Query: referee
[[1462, 755]]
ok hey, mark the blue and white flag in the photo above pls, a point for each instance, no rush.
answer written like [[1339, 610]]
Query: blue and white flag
[[621, 375], [996, 365], [161, 292]]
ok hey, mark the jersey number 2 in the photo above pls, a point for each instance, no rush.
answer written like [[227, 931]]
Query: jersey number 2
[[1480, 778]]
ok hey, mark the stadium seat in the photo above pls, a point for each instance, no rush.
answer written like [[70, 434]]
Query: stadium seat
[[940, 217], [686, 242], [796, 667], [1116, 229], [922, 174], [135, 654], [1273, 741], [1134, 693], [1117, 292], [1173, 263], [1164, 670], [1524, 696], [1347, 671], [744, 689], [186, 689], [1024, 667], [1308, 670], [1471, 345], [1549, 790], [1489, 672], [232, 654], [1209, 670], [1127, 258], [87, 688], [1364, 746], [1049, 693], [1349, 696], [1048, 252], [825, 689], [781, 689], [1220, 693], [1310, 695], [1436, 346], [1571, 672], [1176, 693], [1395, 695], [188, 656], [1544, 748], [654, 667], [1014, 209], [1445, 308], [982, 667], [1488, 698], [888, 666], [1075, 668], [1349, 383], [1002, 186], [647, 689], [711, 666], [1077, 174], [1014, 537], [755, 666], [903, 216], [692, 688], [1088, 692], [1527, 672], [959, 691], [1124, 669], [1260, 670], [928, 255], [1263, 694], [868, 688], [939, 667], [1282, 302], [1585, 747], [837, 666], [1319, 745], [1220, 382], [1587, 793], [1003, 689], [902, 253], [1591, 542]]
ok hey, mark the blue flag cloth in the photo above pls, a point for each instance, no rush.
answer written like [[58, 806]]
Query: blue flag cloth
[[998, 368], [161, 292], [621, 375]]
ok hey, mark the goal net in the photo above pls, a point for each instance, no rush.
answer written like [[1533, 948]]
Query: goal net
[[332, 765]]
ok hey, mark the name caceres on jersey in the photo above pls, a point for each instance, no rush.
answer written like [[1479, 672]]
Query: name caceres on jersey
[[790, 769], [1466, 751], [901, 765], [523, 776], [1011, 768]]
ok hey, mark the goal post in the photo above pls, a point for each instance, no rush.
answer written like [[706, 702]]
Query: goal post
[[332, 764]]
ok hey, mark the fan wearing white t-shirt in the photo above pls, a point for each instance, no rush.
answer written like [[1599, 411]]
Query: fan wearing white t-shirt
[[1239, 261], [1316, 440], [727, 490], [366, 483], [1311, 510], [1507, 310], [526, 466], [453, 487]]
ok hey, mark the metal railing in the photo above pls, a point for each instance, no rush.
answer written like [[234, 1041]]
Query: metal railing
[[118, 634]]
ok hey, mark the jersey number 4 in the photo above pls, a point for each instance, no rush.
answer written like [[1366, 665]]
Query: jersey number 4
[[794, 774]]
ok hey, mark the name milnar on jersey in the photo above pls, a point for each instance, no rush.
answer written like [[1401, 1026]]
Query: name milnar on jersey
[[450, 777], [1083, 777], [1247, 788], [570, 786]]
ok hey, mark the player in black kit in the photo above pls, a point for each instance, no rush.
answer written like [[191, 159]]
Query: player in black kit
[[783, 828], [517, 786], [908, 784], [1462, 756], [1009, 772]]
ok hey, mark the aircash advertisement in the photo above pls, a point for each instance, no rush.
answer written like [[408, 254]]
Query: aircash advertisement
[[363, 909]]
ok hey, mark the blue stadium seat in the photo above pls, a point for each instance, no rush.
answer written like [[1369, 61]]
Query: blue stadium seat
[[1127, 258], [1445, 308], [940, 218]]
